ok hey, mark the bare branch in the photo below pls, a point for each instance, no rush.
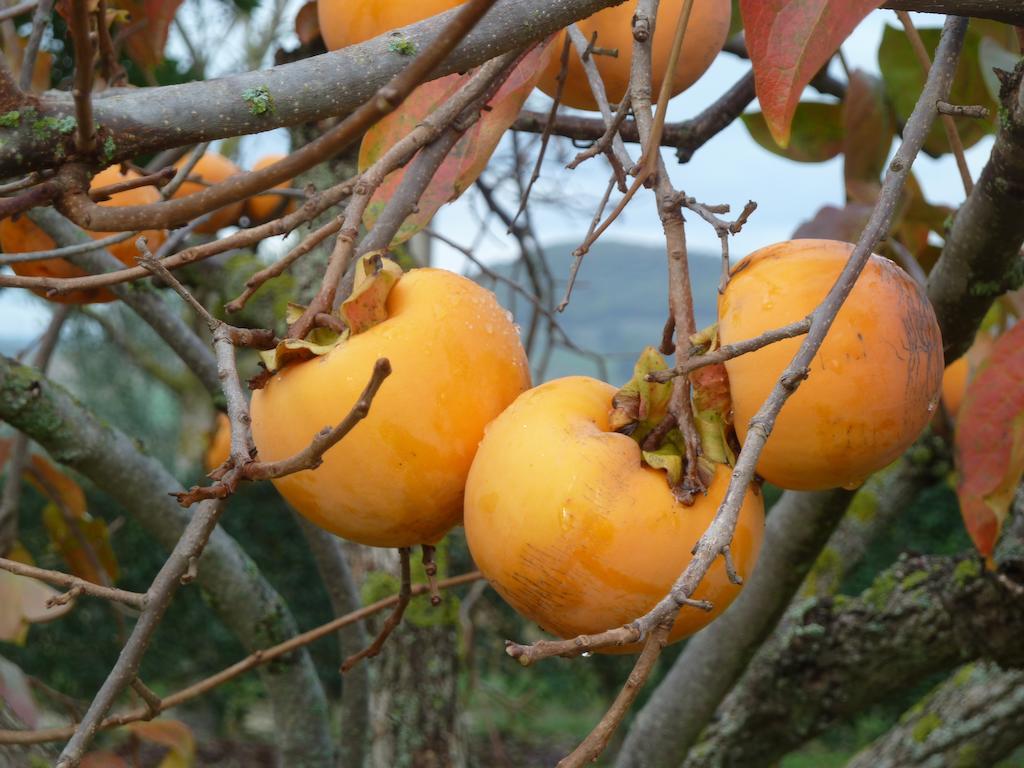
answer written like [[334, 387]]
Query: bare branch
[[66, 580]]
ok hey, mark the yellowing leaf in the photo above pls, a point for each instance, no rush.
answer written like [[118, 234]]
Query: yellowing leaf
[[148, 28], [989, 445], [174, 735], [23, 602], [84, 543], [367, 305]]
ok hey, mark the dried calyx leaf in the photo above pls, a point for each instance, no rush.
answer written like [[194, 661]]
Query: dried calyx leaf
[[712, 403], [640, 409], [366, 306]]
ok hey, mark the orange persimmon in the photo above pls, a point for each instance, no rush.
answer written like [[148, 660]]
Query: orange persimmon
[[211, 169], [264, 207], [348, 22], [20, 235], [397, 478], [574, 532], [706, 32], [871, 388]]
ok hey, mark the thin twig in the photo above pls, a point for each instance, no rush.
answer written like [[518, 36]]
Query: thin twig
[[579, 253], [545, 136], [948, 124], [40, 20], [133, 599], [729, 351], [17, 10], [392, 621], [86, 130]]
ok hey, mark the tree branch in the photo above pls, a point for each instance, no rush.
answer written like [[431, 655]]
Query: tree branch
[[976, 715], [981, 258], [245, 602], [923, 616], [142, 120]]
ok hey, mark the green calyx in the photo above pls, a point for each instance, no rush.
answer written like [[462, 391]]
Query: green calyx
[[640, 409], [364, 308]]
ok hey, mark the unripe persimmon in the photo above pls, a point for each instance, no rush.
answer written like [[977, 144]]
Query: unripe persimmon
[[211, 169], [397, 479], [262, 208], [874, 383], [706, 32], [348, 22], [20, 235], [574, 532]]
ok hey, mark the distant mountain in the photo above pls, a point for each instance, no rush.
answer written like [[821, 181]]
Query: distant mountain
[[619, 304]]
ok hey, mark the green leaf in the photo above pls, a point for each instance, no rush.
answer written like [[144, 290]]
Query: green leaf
[[816, 134], [904, 79]]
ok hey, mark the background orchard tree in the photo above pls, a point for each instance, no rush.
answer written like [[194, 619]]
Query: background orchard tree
[[150, 615]]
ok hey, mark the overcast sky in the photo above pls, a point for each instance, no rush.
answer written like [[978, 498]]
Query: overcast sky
[[729, 169]]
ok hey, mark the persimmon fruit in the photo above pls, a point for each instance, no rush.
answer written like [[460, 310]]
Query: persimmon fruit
[[262, 208], [348, 22], [397, 478], [20, 235], [871, 388], [706, 32], [212, 168], [574, 532]]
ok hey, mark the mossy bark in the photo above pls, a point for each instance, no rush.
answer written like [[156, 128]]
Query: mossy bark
[[231, 582], [923, 616], [972, 720]]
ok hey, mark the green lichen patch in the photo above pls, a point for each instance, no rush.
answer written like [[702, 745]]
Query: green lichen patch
[[10, 119], [48, 127], [259, 100], [402, 45], [985, 288], [877, 595], [109, 147], [913, 580], [965, 571], [924, 727]]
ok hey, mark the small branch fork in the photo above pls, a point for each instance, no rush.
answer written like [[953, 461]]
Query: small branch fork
[[156, 706], [716, 539], [135, 600]]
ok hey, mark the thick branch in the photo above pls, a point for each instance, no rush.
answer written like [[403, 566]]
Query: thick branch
[[923, 616], [981, 258], [976, 717], [141, 120], [1009, 11]]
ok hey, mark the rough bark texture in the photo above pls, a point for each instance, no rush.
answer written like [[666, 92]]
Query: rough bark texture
[[981, 258], [230, 580], [875, 507], [1009, 11], [797, 528], [923, 616], [329, 555], [414, 702], [976, 718]]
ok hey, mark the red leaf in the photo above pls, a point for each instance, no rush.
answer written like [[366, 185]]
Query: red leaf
[[468, 157], [990, 440], [307, 23], [789, 41]]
